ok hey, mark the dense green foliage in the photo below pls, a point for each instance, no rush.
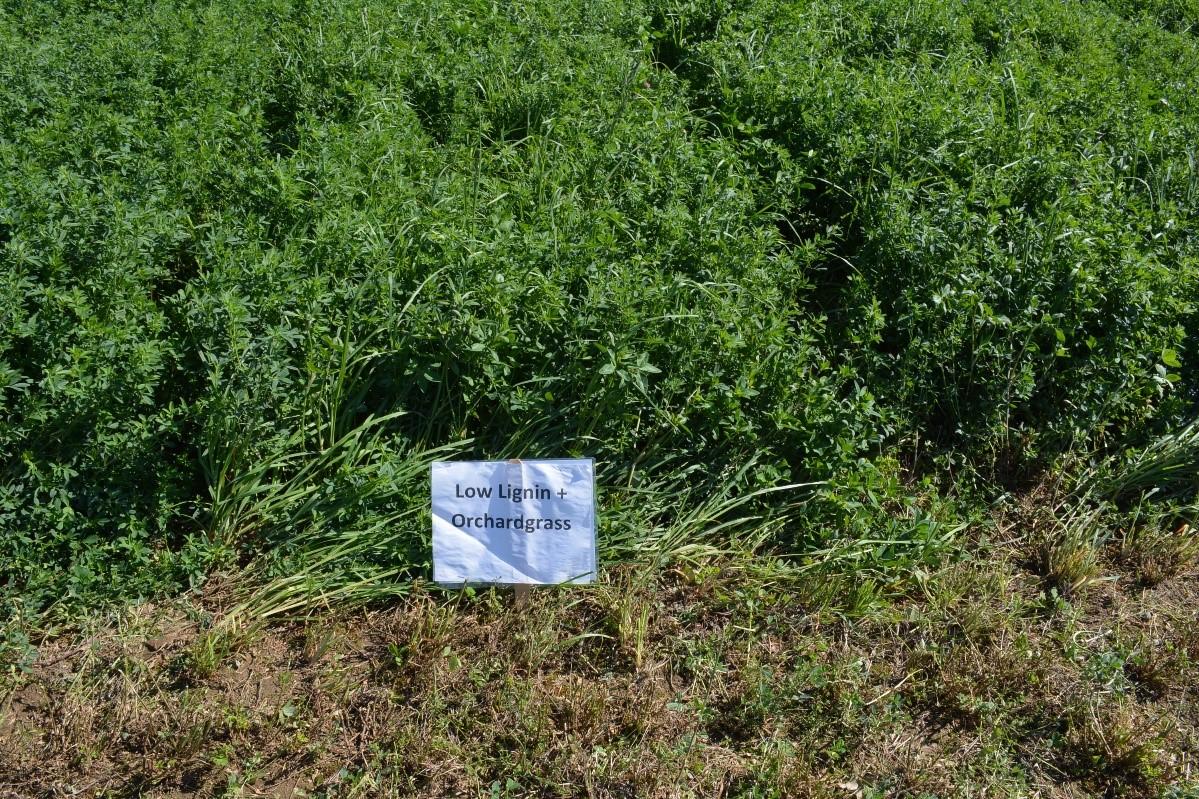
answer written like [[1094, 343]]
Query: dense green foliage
[[817, 235]]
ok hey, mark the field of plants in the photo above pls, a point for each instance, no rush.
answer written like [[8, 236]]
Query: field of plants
[[839, 294]]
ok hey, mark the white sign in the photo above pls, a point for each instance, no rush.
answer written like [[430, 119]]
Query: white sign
[[514, 522]]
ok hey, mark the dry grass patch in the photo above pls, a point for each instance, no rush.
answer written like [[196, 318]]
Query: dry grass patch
[[718, 679]]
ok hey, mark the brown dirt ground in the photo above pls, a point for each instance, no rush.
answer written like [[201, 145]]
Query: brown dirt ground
[[700, 681]]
